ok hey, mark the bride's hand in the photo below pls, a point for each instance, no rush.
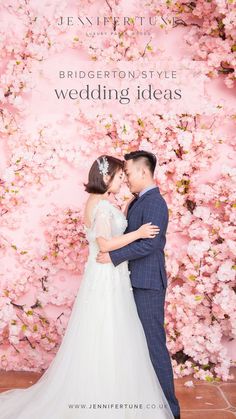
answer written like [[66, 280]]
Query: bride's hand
[[147, 231]]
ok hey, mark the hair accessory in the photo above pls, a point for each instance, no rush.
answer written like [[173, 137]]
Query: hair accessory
[[103, 166]]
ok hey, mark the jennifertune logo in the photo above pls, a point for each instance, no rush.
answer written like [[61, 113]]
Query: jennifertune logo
[[116, 21]]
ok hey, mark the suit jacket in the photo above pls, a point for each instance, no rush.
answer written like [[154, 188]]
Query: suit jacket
[[146, 256]]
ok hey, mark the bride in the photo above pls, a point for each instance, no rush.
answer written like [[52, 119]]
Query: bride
[[102, 369]]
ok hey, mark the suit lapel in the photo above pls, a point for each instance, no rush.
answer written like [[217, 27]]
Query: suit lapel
[[139, 200]]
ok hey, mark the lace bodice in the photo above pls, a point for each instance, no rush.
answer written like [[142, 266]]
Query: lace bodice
[[107, 221]]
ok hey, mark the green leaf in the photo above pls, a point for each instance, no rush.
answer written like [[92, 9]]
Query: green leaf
[[198, 297], [209, 379]]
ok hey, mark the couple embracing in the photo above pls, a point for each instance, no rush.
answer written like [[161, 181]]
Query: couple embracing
[[113, 362]]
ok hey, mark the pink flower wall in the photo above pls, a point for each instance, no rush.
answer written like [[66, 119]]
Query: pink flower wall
[[47, 147]]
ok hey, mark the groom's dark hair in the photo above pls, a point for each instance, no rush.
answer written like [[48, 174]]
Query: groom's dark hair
[[148, 158]]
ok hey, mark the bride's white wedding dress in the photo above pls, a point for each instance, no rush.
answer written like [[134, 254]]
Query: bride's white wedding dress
[[102, 369]]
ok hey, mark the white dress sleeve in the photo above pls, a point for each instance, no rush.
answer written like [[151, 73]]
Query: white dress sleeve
[[102, 223]]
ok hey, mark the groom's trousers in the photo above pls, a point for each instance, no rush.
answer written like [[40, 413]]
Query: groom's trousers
[[150, 306]]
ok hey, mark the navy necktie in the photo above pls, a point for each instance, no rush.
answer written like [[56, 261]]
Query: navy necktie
[[135, 199]]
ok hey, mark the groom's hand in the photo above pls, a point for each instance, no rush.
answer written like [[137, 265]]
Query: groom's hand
[[103, 257]]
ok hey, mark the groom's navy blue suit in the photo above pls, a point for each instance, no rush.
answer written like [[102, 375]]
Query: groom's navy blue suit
[[149, 281]]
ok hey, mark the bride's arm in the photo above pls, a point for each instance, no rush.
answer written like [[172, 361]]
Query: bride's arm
[[145, 231]]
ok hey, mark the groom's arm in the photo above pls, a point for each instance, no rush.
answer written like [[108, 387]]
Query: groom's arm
[[157, 213]]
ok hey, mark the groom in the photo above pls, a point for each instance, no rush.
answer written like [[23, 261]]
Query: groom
[[147, 264]]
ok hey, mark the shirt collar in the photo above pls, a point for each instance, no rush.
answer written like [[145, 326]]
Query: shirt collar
[[146, 189]]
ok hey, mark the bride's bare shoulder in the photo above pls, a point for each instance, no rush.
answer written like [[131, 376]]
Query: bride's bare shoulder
[[89, 202], [88, 209], [90, 206], [93, 202]]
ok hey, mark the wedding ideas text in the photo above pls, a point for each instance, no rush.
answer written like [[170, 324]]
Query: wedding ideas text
[[103, 93]]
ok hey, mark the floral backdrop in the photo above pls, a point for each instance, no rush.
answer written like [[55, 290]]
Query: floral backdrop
[[45, 159]]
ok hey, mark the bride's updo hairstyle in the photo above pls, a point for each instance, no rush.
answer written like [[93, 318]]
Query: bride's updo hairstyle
[[96, 183]]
